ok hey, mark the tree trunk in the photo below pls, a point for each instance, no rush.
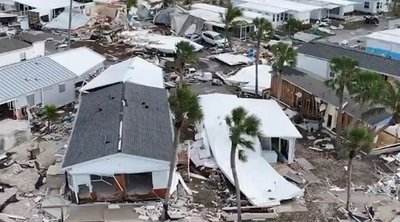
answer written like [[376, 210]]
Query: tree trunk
[[339, 123], [257, 60], [235, 178], [279, 86], [172, 166], [180, 83], [349, 170]]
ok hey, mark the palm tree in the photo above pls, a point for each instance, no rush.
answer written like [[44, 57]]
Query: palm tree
[[231, 14], [357, 139], [241, 126], [50, 112], [345, 69], [368, 88], [129, 4], [264, 28], [185, 54], [284, 55], [185, 105], [293, 26]]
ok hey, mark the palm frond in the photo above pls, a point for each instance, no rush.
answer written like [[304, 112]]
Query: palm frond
[[284, 55], [359, 138], [248, 144], [185, 103], [242, 156]]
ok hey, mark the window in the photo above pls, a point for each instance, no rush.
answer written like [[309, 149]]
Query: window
[[286, 16], [273, 18], [332, 72], [30, 99], [277, 17], [281, 16], [61, 88], [377, 5], [366, 4], [22, 56]]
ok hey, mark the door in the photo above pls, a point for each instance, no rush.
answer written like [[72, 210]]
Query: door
[[30, 98], [329, 122]]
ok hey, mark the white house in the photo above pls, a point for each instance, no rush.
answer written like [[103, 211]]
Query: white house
[[43, 81], [384, 43], [212, 17], [13, 50], [125, 152], [278, 138], [314, 58], [372, 6], [339, 9], [277, 12]]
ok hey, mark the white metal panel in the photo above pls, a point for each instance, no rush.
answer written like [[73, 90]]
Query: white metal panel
[[119, 164], [52, 94], [160, 179], [315, 66]]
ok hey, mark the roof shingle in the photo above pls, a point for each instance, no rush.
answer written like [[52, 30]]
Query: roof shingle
[[146, 124], [11, 44]]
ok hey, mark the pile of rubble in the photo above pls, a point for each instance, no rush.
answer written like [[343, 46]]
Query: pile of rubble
[[388, 185]]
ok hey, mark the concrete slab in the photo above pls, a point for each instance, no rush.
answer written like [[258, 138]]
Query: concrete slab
[[86, 213], [123, 214], [305, 164]]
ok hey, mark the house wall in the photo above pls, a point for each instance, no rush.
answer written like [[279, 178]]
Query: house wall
[[372, 6], [49, 95], [303, 16], [381, 47], [314, 66], [31, 52], [52, 94]]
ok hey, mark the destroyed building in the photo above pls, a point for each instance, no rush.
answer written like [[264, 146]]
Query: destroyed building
[[123, 155]]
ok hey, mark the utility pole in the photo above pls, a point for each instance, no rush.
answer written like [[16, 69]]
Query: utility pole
[[69, 24]]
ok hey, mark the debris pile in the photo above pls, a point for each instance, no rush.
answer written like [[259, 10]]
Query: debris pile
[[387, 185]]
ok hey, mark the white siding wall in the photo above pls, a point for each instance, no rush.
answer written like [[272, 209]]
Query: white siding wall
[[303, 16], [21, 101], [314, 66], [371, 9], [381, 44], [52, 95], [330, 110], [15, 56], [160, 179]]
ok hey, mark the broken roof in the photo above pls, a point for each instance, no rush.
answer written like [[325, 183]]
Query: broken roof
[[61, 22], [134, 70], [258, 181], [319, 89], [365, 60], [36, 36], [140, 112], [11, 44], [28, 76], [246, 76], [45, 4]]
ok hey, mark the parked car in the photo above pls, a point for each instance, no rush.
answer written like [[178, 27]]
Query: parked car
[[213, 38], [371, 19], [193, 37]]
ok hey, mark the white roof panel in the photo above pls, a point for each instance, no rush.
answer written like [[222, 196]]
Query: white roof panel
[[391, 35], [134, 70], [263, 7], [258, 181], [246, 76], [47, 4], [284, 4], [68, 59]]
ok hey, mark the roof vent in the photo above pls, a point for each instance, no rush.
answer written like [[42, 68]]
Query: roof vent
[[100, 109], [124, 103], [146, 106], [111, 97], [107, 140]]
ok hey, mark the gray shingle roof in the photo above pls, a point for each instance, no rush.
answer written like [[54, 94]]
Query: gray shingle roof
[[35, 36], [11, 44], [366, 60], [146, 124], [319, 89], [25, 77]]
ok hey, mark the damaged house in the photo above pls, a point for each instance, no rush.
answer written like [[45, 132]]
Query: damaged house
[[259, 181], [121, 144], [44, 80]]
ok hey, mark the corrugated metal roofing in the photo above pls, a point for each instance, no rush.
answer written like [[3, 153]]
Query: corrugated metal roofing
[[28, 76]]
